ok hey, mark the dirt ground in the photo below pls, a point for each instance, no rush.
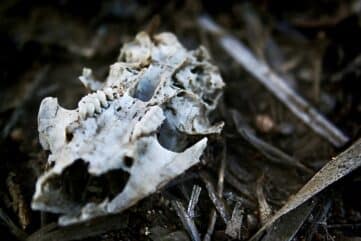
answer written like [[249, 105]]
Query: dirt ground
[[313, 45]]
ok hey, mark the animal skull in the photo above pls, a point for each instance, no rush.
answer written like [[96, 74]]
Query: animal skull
[[140, 123]]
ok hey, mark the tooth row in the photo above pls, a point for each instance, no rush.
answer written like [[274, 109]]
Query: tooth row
[[92, 103]]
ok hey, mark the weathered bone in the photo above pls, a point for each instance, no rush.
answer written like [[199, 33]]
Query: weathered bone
[[155, 102]]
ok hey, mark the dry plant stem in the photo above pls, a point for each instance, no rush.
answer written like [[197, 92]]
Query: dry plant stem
[[344, 225], [15, 230], [19, 204], [271, 152], [274, 83], [242, 174], [213, 215], [319, 217], [211, 224], [317, 69], [287, 227], [196, 191], [352, 67], [334, 170], [213, 195], [264, 208], [242, 188], [187, 221], [246, 203], [234, 226]]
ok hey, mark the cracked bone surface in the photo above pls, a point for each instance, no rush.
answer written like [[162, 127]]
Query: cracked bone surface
[[142, 127]]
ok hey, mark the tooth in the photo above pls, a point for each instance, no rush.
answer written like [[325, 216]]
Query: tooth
[[82, 110], [90, 108], [109, 93], [102, 98], [95, 101]]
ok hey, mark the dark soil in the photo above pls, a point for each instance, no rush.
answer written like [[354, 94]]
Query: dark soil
[[314, 45]]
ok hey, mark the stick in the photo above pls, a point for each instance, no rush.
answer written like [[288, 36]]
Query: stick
[[263, 207], [271, 152], [220, 185], [274, 83], [196, 191], [233, 228], [319, 217], [187, 221], [334, 170], [215, 198]]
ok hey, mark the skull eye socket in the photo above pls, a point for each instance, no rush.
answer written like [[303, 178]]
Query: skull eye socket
[[128, 161], [78, 185]]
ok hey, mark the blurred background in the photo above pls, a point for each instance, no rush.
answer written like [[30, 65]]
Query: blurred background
[[313, 45]]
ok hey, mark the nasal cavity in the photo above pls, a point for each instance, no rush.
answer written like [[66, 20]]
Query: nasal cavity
[[148, 83]]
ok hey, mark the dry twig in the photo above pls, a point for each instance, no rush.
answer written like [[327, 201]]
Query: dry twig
[[353, 67], [233, 228], [288, 225], [319, 217], [213, 215], [274, 83], [264, 209], [196, 191], [187, 221], [271, 152], [215, 198], [18, 202], [338, 167]]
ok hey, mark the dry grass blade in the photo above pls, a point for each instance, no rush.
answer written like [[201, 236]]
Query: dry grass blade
[[263, 207], [187, 221], [274, 83], [288, 225], [334, 170]]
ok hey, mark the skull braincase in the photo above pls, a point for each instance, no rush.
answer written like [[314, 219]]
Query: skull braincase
[[141, 121]]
